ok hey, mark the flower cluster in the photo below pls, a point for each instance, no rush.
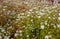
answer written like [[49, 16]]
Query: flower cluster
[[36, 23]]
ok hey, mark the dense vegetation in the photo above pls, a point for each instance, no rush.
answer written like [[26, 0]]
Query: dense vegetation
[[36, 23]]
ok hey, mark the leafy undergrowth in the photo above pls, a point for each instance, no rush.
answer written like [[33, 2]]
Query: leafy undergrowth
[[36, 23]]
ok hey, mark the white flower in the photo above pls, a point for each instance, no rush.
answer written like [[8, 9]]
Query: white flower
[[18, 15], [27, 35], [24, 26], [58, 18], [46, 7], [55, 10], [0, 37], [8, 12], [28, 15], [45, 22], [37, 11], [42, 14], [5, 6], [30, 9], [42, 26], [17, 31], [43, 10], [22, 13], [39, 16], [6, 37], [2, 30], [48, 11], [54, 26], [20, 34], [26, 2], [21, 38], [58, 25], [49, 17], [59, 14], [16, 34], [35, 8], [54, 6], [33, 35], [46, 37], [32, 12], [17, 19], [4, 9], [28, 12], [31, 20], [20, 31], [53, 18], [10, 27]]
